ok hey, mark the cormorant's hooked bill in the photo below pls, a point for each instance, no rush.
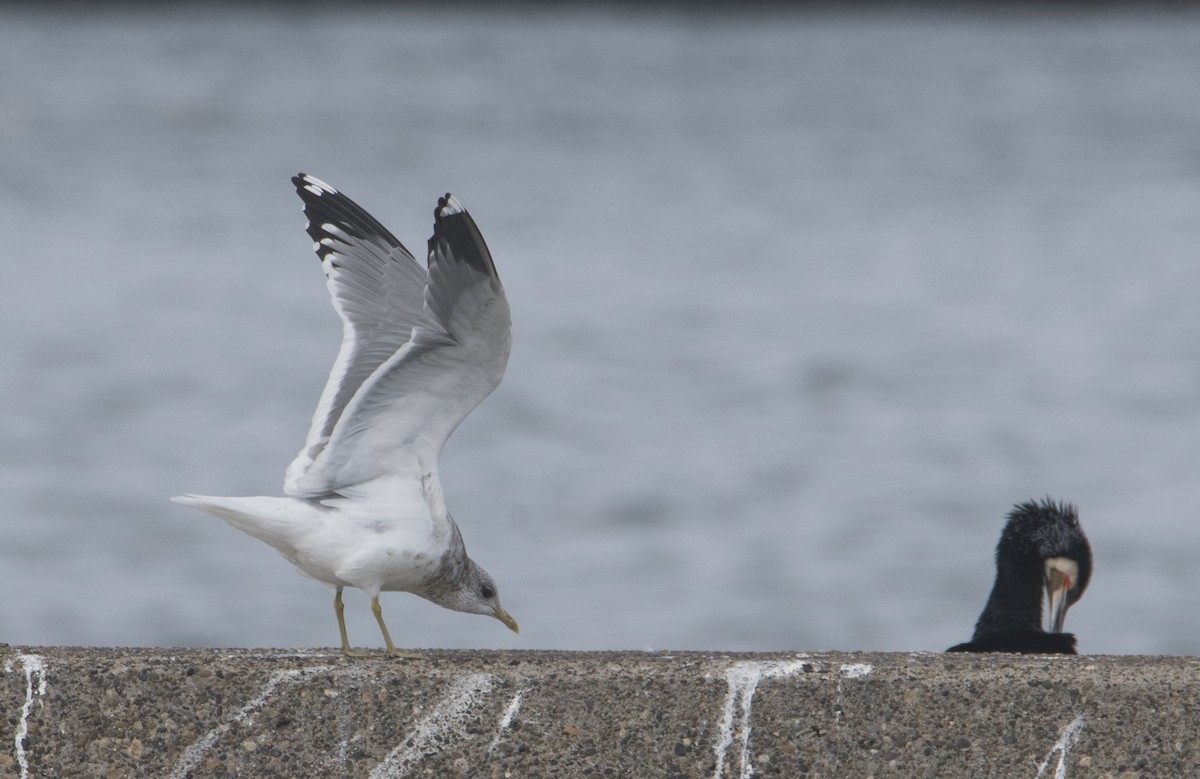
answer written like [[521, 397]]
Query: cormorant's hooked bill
[[1042, 549]]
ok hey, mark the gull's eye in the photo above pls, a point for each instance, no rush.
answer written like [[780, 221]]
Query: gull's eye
[[487, 592]]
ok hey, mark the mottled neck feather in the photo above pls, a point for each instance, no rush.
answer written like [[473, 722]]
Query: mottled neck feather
[[452, 572]]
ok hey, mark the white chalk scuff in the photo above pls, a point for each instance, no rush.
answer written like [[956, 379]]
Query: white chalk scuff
[[506, 720], [34, 666], [1069, 736], [743, 678], [191, 756], [448, 715]]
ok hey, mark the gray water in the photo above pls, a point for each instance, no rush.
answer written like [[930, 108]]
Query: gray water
[[803, 302]]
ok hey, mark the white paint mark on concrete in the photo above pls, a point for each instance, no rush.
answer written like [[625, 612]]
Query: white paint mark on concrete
[[506, 720], [1063, 746], [743, 679], [191, 756], [34, 666], [278, 654], [449, 714], [848, 671]]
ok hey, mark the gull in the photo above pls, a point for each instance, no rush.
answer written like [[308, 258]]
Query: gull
[[420, 349]]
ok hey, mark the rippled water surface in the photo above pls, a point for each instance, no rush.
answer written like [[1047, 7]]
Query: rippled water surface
[[803, 302]]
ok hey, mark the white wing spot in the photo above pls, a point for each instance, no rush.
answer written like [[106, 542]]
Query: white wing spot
[[452, 206], [318, 187], [335, 231]]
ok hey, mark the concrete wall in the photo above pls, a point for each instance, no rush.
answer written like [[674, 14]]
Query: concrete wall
[[260, 713]]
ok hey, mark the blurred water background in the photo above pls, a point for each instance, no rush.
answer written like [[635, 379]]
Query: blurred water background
[[803, 300]]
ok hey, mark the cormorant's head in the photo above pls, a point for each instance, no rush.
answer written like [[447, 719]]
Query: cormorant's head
[[1049, 534]]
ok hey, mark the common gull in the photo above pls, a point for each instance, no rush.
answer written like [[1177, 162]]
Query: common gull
[[420, 349]]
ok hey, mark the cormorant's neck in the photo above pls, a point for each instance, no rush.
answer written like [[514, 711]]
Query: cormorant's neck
[[1016, 600]]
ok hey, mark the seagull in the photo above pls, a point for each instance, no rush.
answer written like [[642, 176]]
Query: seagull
[[420, 349], [1042, 548]]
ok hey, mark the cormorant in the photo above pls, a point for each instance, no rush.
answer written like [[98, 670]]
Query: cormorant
[[1041, 548]]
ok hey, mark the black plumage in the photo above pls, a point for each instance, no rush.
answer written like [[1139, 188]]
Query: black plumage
[[1042, 551]]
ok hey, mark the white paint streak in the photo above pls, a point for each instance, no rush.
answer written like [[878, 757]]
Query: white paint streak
[[191, 756], [34, 666], [743, 679], [1063, 746], [506, 720], [848, 671], [449, 712]]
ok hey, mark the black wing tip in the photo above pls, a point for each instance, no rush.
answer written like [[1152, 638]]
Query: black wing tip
[[448, 205], [455, 232], [335, 220], [311, 185]]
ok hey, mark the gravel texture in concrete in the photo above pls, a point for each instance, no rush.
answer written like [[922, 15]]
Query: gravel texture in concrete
[[258, 713]]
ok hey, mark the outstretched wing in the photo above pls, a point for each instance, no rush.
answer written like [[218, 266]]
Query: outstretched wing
[[378, 290], [399, 418]]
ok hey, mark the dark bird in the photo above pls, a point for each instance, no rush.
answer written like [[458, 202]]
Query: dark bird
[[1042, 548]]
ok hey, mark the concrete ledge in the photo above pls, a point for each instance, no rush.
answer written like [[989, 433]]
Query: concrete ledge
[[261, 713]]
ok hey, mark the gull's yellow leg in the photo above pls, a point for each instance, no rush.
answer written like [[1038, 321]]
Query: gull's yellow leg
[[339, 609], [387, 638]]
